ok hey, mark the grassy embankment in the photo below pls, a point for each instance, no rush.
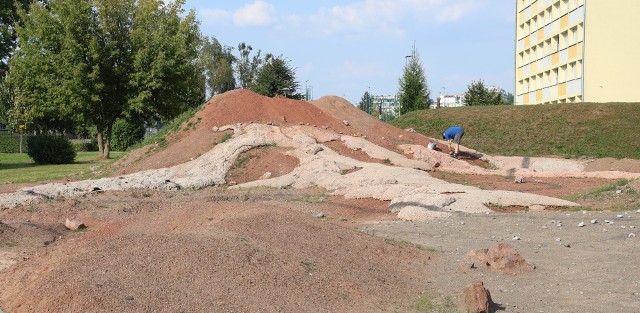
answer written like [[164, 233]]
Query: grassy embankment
[[567, 130], [19, 168]]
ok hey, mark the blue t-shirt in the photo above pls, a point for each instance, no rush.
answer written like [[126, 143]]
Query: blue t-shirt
[[451, 132]]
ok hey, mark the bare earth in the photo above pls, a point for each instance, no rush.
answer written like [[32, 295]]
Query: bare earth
[[236, 247]]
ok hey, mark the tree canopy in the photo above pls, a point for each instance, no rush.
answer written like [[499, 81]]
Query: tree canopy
[[414, 93], [217, 61], [478, 94], [277, 77], [92, 61]]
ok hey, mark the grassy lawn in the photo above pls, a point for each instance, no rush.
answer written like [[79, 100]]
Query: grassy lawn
[[568, 130], [19, 168]]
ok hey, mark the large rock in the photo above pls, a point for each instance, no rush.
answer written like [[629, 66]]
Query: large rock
[[502, 258], [477, 298]]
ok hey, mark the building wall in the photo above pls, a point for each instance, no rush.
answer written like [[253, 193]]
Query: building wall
[[567, 49], [612, 51]]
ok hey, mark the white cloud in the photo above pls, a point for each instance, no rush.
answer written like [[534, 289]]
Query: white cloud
[[215, 16], [455, 12], [259, 13]]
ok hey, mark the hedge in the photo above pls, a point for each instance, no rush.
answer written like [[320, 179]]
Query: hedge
[[11, 143]]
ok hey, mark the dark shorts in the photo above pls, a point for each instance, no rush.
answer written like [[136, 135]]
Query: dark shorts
[[458, 136]]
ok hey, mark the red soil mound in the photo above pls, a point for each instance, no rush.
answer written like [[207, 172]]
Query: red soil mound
[[243, 106]]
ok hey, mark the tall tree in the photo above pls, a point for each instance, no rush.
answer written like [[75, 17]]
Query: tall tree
[[247, 67], [9, 18], [478, 94], [94, 60], [217, 61], [414, 93], [277, 77], [365, 102]]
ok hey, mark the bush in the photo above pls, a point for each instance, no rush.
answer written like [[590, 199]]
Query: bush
[[85, 146], [11, 143], [51, 150], [126, 134]]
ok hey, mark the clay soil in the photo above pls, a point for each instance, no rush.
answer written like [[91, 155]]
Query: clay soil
[[284, 250]]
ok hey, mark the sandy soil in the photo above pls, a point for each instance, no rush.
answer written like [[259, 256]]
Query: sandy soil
[[287, 250]]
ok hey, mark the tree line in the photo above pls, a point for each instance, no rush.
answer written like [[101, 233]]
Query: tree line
[[414, 92], [83, 65]]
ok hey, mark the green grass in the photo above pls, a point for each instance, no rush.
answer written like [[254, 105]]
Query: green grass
[[19, 168], [568, 130]]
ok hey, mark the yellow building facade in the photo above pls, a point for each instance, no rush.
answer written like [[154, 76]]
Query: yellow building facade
[[570, 51]]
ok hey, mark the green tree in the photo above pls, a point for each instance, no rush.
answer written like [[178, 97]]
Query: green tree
[[93, 61], [365, 102], [508, 99], [247, 67], [9, 18], [414, 93], [217, 61], [277, 77], [478, 94]]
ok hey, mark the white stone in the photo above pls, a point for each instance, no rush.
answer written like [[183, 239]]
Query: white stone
[[620, 216], [515, 238], [594, 221], [632, 235], [581, 224]]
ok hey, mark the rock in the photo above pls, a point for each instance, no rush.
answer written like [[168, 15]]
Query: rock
[[477, 298], [502, 258], [411, 130], [632, 235], [519, 180], [620, 216], [320, 215], [581, 224], [74, 224], [515, 238], [618, 191], [594, 221], [345, 122], [215, 129], [266, 175], [283, 119]]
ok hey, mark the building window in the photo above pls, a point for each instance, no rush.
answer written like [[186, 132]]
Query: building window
[[555, 76], [574, 35]]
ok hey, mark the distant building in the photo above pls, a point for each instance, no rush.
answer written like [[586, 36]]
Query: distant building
[[449, 101], [576, 51], [388, 107]]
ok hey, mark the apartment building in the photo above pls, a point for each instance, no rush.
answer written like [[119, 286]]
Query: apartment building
[[571, 51]]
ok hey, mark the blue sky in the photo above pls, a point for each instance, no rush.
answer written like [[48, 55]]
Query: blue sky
[[346, 47]]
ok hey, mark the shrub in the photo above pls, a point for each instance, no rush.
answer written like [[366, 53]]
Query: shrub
[[11, 143], [51, 149], [126, 133], [85, 146]]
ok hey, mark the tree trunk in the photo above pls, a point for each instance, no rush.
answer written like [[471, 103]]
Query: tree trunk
[[100, 146], [107, 145]]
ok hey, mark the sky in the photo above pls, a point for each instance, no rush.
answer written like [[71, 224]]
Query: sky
[[347, 47]]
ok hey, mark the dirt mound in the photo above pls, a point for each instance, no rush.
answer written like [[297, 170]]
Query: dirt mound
[[364, 124], [216, 251], [196, 137]]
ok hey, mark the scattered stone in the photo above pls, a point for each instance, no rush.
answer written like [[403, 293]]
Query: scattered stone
[[581, 224], [461, 222], [266, 175], [618, 191], [215, 129], [515, 238], [638, 211], [129, 298], [559, 224], [567, 245], [320, 215], [345, 122], [74, 224], [558, 239], [283, 119], [411, 130], [620, 216], [594, 221], [632, 235], [519, 180], [477, 298], [544, 227]]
